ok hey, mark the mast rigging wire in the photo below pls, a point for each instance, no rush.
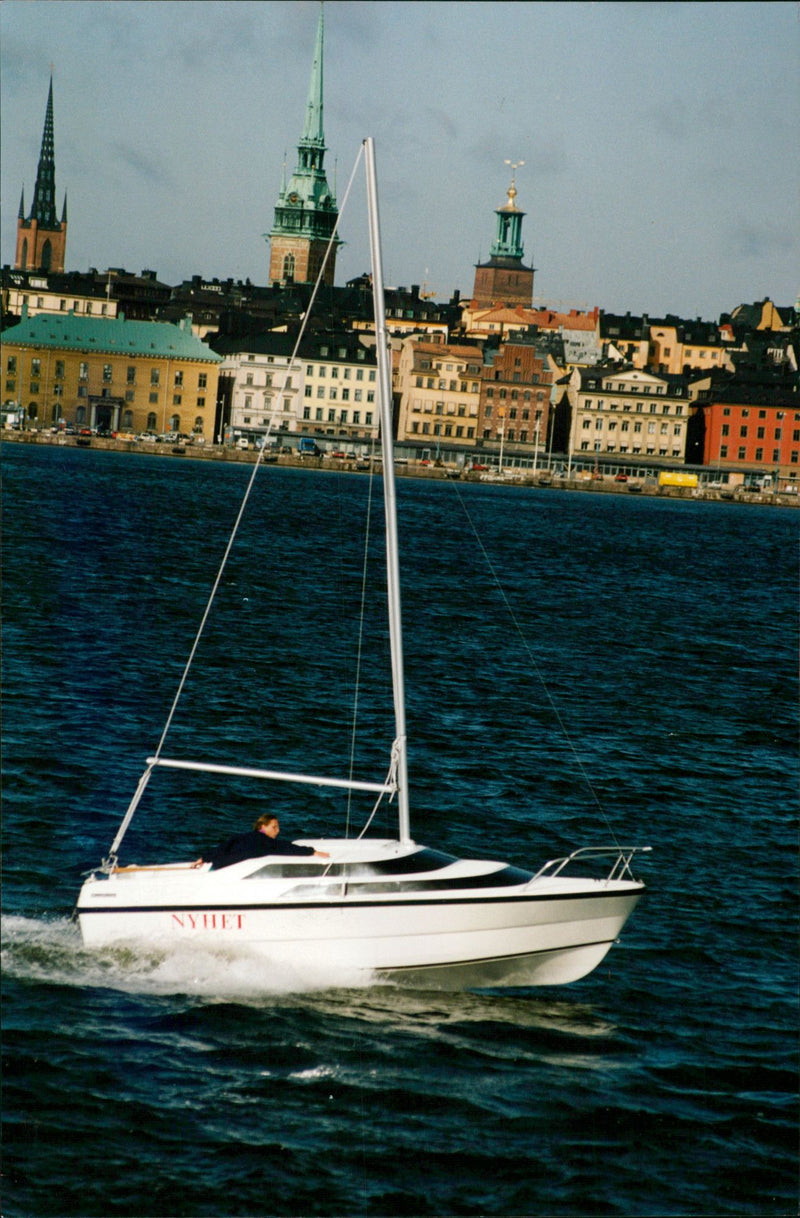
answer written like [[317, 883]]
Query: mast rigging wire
[[145, 778]]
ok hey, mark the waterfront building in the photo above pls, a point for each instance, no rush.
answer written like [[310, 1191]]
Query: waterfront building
[[439, 388], [515, 396], [41, 236], [109, 373], [259, 385], [504, 279], [328, 389], [306, 211], [750, 422], [619, 410], [339, 387]]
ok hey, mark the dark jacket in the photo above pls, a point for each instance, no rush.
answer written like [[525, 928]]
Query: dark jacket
[[251, 845]]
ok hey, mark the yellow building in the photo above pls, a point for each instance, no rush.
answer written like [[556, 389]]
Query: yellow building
[[439, 385], [109, 374], [628, 412], [674, 348]]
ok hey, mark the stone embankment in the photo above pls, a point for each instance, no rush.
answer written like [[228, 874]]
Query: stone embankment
[[409, 468]]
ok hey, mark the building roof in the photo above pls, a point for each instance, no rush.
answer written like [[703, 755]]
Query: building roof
[[109, 335]]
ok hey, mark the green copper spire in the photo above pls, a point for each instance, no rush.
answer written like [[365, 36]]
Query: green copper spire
[[508, 239], [312, 131], [306, 207]]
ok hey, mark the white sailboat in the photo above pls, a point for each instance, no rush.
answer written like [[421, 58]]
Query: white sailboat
[[377, 907]]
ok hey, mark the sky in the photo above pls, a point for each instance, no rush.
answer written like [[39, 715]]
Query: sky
[[661, 170]]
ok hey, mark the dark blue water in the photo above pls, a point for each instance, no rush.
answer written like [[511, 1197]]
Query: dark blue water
[[651, 649]]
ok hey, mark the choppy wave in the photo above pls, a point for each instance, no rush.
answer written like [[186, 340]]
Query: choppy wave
[[52, 951], [186, 1080]]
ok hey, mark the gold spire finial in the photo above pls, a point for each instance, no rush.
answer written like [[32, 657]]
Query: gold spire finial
[[512, 190]]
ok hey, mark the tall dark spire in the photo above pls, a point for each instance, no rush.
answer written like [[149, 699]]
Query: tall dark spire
[[44, 194], [42, 237]]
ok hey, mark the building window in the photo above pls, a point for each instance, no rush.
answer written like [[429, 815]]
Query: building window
[[154, 397], [36, 367], [59, 369], [151, 419], [83, 372], [176, 399], [178, 378], [202, 380], [155, 376], [201, 401]]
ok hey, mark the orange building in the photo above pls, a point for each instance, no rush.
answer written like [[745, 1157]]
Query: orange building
[[750, 425]]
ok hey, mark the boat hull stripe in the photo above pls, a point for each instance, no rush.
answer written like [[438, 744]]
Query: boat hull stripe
[[283, 906], [544, 951]]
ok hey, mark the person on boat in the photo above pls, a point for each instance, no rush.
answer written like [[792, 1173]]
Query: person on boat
[[261, 840]]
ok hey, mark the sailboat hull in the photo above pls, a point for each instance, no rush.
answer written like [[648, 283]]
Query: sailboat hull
[[547, 931]]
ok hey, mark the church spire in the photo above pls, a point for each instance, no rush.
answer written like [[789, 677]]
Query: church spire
[[42, 237], [44, 193], [306, 211], [313, 131]]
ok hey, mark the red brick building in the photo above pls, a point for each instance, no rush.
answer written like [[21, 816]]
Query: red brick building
[[515, 395]]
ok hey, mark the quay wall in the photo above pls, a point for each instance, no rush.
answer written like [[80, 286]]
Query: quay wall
[[406, 469]]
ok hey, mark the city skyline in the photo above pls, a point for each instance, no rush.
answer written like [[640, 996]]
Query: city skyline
[[658, 140]]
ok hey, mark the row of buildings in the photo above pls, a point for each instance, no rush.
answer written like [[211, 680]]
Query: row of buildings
[[485, 378]]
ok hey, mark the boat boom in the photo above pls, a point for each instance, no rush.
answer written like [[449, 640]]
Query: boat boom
[[209, 767]]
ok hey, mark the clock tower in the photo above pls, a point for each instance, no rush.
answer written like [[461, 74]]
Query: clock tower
[[306, 211]]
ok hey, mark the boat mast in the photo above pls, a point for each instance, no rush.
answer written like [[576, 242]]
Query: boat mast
[[390, 505]]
